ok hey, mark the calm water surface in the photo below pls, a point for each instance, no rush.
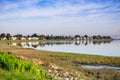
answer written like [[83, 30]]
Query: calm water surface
[[101, 67], [107, 48]]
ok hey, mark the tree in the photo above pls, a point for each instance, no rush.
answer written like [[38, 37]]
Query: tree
[[8, 36], [77, 37], [99, 37], [107, 37], [42, 37], [86, 36], [28, 35], [18, 36], [2, 35], [94, 37], [34, 35]]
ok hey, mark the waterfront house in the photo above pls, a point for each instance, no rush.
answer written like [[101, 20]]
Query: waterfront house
[[35, 38], [77, 38], [22, 38], [4, 38], [13, 38], [29, 38]]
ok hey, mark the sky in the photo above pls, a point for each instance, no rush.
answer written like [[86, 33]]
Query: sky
[[60, 17]]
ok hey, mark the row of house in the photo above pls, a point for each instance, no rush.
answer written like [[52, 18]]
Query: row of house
[[21, 38], [37, 38], [92, 38], [4, 36], [83, 38]]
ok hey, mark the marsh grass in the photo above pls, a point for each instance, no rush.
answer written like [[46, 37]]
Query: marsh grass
[[14, 75], [76, 60]]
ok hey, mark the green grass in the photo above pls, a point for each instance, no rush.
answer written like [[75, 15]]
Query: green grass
[[14, 75], [12, 68]]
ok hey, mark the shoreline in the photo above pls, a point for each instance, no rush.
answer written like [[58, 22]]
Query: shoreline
[[58, 40]]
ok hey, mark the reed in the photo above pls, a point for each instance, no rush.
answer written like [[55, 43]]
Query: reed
[[11, 63]]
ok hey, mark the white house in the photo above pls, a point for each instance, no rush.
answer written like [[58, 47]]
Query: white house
[[13, 38], [77, 38], [22, 38], [35, 38], [29, 38], [4, 38]]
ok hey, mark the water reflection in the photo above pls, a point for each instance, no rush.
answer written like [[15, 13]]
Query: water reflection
[[107, 48], [52, 43]]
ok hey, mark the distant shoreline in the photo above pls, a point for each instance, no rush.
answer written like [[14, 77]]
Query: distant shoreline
[[58, 40]]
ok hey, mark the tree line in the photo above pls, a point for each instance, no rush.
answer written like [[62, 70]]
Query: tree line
[[8, 36]]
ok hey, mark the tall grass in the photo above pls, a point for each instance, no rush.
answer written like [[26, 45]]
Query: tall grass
[[11, 63]]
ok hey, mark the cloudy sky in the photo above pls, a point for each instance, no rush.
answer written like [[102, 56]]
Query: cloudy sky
[[60, 17]]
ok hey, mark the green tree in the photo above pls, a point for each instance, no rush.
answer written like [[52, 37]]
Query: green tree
[[42, 37], [86, 36], [18, 36], [8, 36], [2, 35], [34, 35]]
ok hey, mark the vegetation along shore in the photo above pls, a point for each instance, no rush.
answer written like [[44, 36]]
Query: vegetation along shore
[[8, 36], [12, 68], [67, 66]]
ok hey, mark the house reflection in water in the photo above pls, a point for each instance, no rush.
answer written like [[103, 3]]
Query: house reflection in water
[[52, 43]]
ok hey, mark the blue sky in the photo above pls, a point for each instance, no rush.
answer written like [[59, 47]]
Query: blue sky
[[60, 17]]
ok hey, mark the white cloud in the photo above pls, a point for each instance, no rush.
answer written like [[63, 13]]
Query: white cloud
[[62, 11], [66, 14], [7, 5], [58, 9]]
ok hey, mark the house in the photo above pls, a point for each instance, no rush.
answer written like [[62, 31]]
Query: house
[[84, 38], [77, 38], [13, 38], [35, 38], [29, 38], [4, 38], [22, 38]]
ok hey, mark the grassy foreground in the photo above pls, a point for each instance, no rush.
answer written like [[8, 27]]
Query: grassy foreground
[[70, 62], [12, 68]]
